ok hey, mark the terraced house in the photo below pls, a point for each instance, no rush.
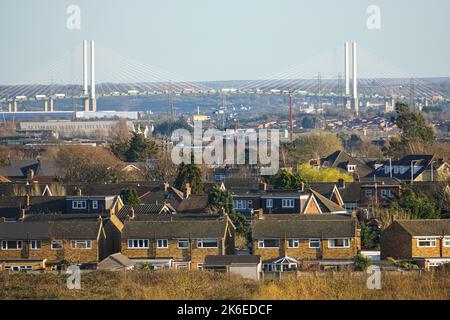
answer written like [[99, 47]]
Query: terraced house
[[172, 241], [51, 245], [426, 242], [287, 242]]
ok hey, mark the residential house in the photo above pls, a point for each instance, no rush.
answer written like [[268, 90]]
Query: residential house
[[414, 168], [355, 166], [16, 208], [288, 242], [426, 242], [175, 241], [286, 202], [32, 170], [51, 245]]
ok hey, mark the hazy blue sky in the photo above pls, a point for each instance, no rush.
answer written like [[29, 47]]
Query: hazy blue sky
[[226, 39]]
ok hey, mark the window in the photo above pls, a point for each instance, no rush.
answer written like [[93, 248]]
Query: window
[[12, 245], [293, 243], [240, 204], [162, 243], [95, 204], [339, 243], [250, 204], [368, 193], [183, 244], [269, 203], [79, 204], [57, 245], [288, 203], [199, 266], [36, 244], [137, 243], [207, 243], [447, 242], [351, 168], [426, 242], [314, 243], [269, 243], [386, 194], [81, 244]]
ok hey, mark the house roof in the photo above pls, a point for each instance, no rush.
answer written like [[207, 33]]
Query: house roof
[[326, 205], [140, 209], [340, 159], [301, 228], [195, 203], [417, 228], [116, 261], [174, 229], [20, 168], [226, 260], [71, 230]]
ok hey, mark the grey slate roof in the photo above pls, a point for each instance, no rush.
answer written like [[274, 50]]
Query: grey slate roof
[[304, 229], [426, 227], [70, 230], [174, 229]]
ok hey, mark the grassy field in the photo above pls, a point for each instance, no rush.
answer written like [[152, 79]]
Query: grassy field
[[215, 286]]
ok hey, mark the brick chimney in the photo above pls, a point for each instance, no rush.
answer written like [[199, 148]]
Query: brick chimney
[[259, 214], [30, 174], [263, 186], [187, 190], [79, 193], [302, 186]]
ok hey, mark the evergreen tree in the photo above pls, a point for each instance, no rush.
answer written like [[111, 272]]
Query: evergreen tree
[[418, 205], [189, 173], [140, 148], [130, 196], [222, 200], [414, 132]]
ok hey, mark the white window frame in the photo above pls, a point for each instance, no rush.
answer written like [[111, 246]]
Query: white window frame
[[241, 205], [332, 245], [351, 168], [56, 242], [446, 242], [94, 204], [18, 248], [162, 244], [314, 241], [87, 244], [288, 203], [269, 203], [183, 240], [426, 239], [199, 266], [368, 193], [262, 246], [200, 243], [136, 243], [33, 244], [295, 243], [386, 193], [79, 204]]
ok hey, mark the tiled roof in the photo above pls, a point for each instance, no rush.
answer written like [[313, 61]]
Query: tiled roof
[[304, 229], [173, 229], [426, 227], [72, 230]]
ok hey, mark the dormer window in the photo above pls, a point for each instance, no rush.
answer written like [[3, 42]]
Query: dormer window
[[288, 203], [351, 168], [79, 204]]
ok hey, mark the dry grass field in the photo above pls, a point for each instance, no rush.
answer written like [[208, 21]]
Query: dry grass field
[[216, 286]]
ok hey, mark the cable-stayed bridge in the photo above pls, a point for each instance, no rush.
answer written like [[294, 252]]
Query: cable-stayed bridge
[[90, 72]]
